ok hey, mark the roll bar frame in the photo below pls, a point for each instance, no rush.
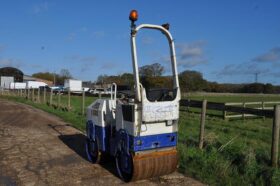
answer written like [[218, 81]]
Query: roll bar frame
[[168, 35]]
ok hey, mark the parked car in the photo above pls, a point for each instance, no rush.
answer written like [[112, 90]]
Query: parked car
[[41, 88], [58, 89], [98, 91]]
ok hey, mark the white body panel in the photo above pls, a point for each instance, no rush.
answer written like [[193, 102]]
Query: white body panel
[[35, 84], [73, 85], [101, 112], [160, 111], [157, 128], [131, 127], [6, 81], [140, 128], [17, 85]]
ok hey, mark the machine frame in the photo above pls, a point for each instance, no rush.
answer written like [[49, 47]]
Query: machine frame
[[137, 132]]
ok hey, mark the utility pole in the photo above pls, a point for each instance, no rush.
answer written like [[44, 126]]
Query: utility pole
[[54, 79], [256, 77]]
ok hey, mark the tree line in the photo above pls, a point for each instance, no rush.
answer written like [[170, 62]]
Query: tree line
[[151, 76], [56, 78]]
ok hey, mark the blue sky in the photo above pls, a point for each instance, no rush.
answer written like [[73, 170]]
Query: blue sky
[[227, 41]]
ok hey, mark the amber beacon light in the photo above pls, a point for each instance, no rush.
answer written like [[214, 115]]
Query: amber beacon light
[[133, 16]]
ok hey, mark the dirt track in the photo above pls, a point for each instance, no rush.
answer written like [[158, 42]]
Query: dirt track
[[37, 148]]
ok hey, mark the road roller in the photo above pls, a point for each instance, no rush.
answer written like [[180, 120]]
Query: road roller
[[139, 131]]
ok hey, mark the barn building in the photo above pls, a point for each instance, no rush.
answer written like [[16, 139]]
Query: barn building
[[11, 74]]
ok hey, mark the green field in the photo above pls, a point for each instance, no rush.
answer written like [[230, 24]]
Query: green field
[[224, 97], [236, 152]]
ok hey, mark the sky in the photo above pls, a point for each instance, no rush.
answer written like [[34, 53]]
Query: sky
[[227, 41]]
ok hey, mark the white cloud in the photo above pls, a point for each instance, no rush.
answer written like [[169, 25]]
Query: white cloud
[[84, 59], [191, 63], [273, 55], [108, 65], [40, 8], [71, 36], [83, 29], [147, 40], [88, 59], [191, 54], [242, 69], [2, 47], [98, 34], [10, 62], [84, 63], [86, 32]]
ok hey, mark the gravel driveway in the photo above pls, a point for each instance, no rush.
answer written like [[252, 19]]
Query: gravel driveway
[[37, 148]]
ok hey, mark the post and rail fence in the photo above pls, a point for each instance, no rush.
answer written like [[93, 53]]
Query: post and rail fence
[[225, 107]]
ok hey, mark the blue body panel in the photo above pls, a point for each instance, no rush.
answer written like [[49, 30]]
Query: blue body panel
[[138, 143], [153, 141], [103, 135]]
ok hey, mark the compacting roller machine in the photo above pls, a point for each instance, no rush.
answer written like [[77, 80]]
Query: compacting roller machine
[[140, 132]]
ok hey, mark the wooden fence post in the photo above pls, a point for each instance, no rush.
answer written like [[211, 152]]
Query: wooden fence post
[[51, 97], [33, 92], [202, 123], [225, 112], [275, 136], [44, 98], [28, 93], [263, 107], [243, 115], [38, 96], [69, 99], [83, 102], [59, 99]]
